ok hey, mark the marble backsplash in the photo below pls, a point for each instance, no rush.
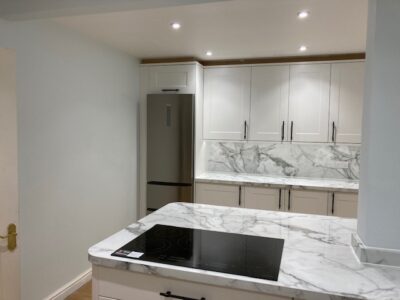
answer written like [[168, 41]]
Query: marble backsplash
[[284, 159]]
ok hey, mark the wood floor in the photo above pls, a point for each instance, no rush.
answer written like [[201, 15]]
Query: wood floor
[[84, 293]]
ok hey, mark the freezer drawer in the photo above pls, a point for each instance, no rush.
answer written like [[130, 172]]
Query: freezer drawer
[[160, 194]]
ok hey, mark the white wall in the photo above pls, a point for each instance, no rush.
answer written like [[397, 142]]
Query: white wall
[[77, 118], [379, 204]]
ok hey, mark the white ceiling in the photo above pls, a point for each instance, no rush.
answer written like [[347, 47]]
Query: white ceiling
[[232, 29], [34, 9]]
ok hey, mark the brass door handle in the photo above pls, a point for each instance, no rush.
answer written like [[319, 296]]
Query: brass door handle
[[11, 237]]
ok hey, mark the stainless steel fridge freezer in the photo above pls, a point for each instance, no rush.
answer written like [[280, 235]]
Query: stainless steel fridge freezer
[[170, 149]]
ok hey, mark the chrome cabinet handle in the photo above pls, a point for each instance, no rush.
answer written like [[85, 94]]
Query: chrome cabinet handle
[[291, 131], [283, 131], [333, 132], [168, 294]]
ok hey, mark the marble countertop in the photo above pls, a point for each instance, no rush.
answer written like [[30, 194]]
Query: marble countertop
[[334, 185], [318, 262]]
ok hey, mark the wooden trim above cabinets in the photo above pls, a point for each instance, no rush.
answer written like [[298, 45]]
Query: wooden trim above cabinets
[[168, 60], [284, 59], [254, 61]]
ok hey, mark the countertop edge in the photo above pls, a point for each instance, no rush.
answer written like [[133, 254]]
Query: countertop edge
[[213, 278], [266, 184]]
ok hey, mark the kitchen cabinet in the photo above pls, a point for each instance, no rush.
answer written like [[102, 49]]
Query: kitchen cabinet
[[172, 79], [226, 103], [309, 102], [269, 103], [343, 205], [219, 194], [112, 284], [307, 202], [338, 204], [263, 198], [346, 98]]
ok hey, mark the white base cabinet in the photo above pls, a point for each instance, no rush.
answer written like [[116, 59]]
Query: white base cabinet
[[298, 201], [343, 205], [263, 198], [112, 284], [218, 194], [308, 202]]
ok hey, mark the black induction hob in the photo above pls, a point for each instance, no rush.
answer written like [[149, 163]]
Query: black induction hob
[[237, 254]]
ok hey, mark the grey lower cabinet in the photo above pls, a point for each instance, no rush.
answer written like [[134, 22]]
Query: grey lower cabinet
[[307, 202], [113, 284], [343, 205], [298, 201]]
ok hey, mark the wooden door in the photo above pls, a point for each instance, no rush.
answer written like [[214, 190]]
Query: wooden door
[[226, 103], [9, 259], [269, 103], [309, 102]]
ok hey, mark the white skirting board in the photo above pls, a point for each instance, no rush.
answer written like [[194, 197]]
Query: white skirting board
[[71, 286]]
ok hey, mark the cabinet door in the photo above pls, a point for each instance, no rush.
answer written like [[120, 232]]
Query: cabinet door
[[269, 103], [216, 194], [226, 102], [347, 92], [174, 77], [308, 202], [343, 205], [263, 198], [309, 102]]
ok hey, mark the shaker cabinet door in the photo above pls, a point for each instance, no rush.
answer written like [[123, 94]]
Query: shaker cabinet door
[[343, 205], [172, 79], [226, 103], [309, 102], [308, 202], [263, 198], [269, 103], [347, 92], [218, 194]]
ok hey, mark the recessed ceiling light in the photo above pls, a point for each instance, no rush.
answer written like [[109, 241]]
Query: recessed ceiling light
[[209, 53], [303, 14], [302, 48], [175, 25]]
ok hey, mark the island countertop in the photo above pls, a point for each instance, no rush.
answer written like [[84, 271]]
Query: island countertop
[[323, 184], [317, 261]]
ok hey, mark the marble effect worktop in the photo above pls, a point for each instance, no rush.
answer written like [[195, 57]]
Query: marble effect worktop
[[318, 262], [326, 184]]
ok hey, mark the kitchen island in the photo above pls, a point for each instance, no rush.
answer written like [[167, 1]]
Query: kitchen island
[[317, 261]]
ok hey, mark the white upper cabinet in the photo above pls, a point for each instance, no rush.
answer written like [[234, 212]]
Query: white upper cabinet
[[269, 103], [309, 102], [226, 103], [172, 79], [347, 91]]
